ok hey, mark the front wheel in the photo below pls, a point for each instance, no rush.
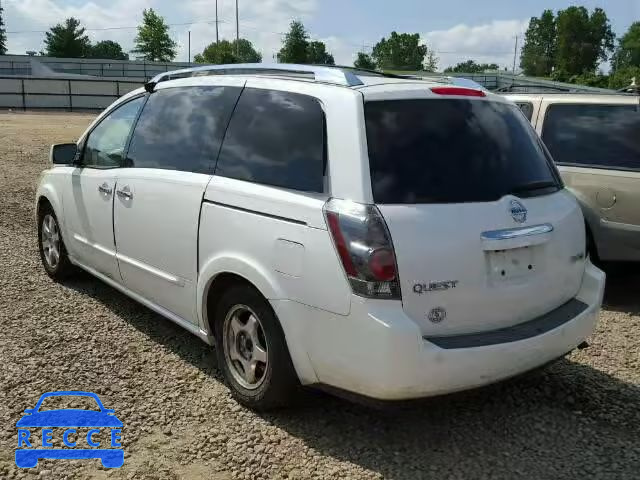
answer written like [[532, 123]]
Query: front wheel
[[53, 252], [252, 351]]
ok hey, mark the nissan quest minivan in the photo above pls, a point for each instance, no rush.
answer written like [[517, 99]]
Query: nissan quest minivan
[[388, 237]]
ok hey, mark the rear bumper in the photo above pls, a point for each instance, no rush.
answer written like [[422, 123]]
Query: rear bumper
[[378, 352]]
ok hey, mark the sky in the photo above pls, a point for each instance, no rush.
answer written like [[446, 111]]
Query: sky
[[485, 30]]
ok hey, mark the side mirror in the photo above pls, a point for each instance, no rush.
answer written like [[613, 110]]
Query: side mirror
[[63, 153], [29, 410]]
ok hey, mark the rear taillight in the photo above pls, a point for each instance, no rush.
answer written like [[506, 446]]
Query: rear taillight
[[363, 244], [458, 91]]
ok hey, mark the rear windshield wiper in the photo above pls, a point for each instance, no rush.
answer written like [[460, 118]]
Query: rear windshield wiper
[[532, 186]]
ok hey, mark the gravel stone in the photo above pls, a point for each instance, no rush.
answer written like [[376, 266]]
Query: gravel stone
[[578, 418]]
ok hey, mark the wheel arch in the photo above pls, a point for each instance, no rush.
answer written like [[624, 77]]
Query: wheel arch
[[223, 271], [46, 194]]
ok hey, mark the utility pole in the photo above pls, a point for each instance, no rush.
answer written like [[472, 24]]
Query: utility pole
[[515, 54], [237, 31], [217, 37]]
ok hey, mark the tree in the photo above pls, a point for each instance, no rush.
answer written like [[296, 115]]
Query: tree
[[431, 63], [622, 77], [583, 40], [591, 79], [153, 41], [67, 40], [3, 35], [364, 61], [108, 49], [317, 54], [628, 51], [295, 46], [471, 66], [402, 51], [225, 52], [538, 53], [245, 51]]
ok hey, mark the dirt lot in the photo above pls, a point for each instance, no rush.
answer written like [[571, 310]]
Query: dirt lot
[[579, 418]]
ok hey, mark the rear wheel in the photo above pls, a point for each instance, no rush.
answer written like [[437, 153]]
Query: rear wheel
[[252, 351], [53, 253]]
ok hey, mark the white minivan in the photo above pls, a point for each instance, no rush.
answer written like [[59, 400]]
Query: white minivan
[[388, 237]]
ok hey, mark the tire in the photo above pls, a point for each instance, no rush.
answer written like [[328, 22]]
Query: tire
[[242, 344], [50, 241]]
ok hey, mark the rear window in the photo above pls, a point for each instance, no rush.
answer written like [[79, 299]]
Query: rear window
[[600, 136], [453, 151]]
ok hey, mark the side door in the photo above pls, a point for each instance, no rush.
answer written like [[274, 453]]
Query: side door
[[597, 147], [159, 194], [88, 201]]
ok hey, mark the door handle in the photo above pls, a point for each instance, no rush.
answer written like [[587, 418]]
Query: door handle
[[125, 193], [105, 188]]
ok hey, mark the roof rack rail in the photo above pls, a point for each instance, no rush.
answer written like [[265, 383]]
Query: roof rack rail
[[325, 74]]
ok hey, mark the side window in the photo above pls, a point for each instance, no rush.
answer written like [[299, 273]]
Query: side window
[[106, 143], [182, 128], [275, 138], [605, 136], [527, 109]]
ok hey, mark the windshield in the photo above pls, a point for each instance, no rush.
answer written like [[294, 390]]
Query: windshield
[[453, 151]]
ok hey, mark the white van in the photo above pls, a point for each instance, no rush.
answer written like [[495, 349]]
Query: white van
[[393, 238]]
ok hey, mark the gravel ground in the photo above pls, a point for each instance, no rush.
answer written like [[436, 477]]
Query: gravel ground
[[579, 418]]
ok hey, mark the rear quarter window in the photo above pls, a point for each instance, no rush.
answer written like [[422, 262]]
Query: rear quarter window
[[275, 138], [599, 136], [526, 108], [453, 151]]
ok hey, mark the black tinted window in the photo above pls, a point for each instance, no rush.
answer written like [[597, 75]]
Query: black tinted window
[[527, 109], [594, 135], [182, 128], [106, 143], [275, 138], [450, 151]]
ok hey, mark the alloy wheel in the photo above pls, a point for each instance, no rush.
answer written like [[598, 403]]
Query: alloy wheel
[[50, 238], [245, 347]]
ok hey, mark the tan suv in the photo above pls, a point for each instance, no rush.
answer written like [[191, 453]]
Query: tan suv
[[595, 141]]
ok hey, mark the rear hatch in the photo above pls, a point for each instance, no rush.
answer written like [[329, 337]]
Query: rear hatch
[[484, 234]]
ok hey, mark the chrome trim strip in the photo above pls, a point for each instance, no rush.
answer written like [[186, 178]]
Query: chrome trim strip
[[510, 233], [95, 246], [190, 327], [256, 212], [152, 270]]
